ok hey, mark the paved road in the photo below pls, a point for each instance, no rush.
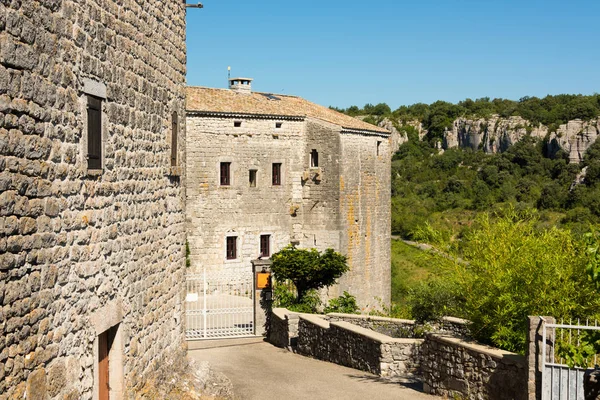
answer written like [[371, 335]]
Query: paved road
[[259, 370]]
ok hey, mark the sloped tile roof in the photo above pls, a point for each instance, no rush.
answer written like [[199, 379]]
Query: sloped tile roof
[[210, 100]]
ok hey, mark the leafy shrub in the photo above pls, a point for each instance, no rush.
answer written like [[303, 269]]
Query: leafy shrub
[[285, 296], [345, 304], [434, 299], [516, 270]]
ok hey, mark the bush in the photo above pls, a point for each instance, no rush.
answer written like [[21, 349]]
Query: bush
[[434, 299], [515, 271], [345, 304], [285, 296]]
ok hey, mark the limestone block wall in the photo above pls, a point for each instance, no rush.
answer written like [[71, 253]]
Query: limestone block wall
[[319, 214], [215, 211], [393, 327], [365, 218], [79, 252], [356, 347], [453, 367]]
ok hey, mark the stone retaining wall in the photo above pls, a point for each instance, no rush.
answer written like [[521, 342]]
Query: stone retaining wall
[[453, 367], [405, 328], [450, 366], [284, 328], [353, 346]]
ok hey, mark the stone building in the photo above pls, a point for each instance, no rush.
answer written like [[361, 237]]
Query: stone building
[[92, 233], [268, 170]]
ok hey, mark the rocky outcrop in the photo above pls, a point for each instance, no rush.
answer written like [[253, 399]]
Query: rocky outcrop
[[574, 137], [497, 134], [491, 135], [398, 138]]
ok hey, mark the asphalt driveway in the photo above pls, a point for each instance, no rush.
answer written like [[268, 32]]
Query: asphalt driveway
[[259, 370]]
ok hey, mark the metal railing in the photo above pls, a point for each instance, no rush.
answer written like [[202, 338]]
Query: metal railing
[[566, 355], [220, 304]]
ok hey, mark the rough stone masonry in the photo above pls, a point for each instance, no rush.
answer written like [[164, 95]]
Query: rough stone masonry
[[89, 257]]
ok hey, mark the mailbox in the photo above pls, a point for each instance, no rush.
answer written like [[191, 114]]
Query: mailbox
[[263, 280]]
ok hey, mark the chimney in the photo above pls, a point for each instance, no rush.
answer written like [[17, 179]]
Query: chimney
[[241, 85]]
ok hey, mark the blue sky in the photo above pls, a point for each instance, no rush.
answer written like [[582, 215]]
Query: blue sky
[[350, 52]]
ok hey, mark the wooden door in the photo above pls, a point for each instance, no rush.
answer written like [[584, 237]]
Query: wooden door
[[103, 350]]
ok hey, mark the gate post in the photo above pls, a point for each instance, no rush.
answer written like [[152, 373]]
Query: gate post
[[262, 298], [534, 354]]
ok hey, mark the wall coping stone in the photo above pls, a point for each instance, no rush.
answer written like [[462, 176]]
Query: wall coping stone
[[505, 356], [315, 320], [373, 318], [372, 335], [456, 320]]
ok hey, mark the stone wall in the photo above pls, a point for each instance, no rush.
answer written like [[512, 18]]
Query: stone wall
[[404, 328], [215, 211], [283, 330], [353, 346], [83, 250], [453, 367], [365, 208], [393, 327]]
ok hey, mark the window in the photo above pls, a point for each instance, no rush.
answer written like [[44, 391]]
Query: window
[[265, 244], [94, 132], [231, 247], [314, 158], [105, 345], [278, 124], [276, 174], [225, 173], [174, 130], [378, 144], [237, 124], [252, 178]]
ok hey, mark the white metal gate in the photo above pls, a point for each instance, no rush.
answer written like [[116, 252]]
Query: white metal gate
[[219, 304], [559, 380]]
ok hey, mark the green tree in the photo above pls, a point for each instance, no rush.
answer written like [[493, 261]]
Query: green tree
[[307, 268]]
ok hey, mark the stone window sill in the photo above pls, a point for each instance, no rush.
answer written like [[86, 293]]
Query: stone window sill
[[94, 172]]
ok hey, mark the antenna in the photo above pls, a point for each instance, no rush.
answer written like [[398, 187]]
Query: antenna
[[228, 74]]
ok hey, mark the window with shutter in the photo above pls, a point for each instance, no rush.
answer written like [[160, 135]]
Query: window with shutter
[[265, 244], [231, 247], [276, 174], [94, 132], [225, 173]]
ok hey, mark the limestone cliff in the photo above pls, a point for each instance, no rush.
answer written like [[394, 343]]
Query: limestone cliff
[[497, 134]]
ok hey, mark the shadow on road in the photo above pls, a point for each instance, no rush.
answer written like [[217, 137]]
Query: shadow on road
[[409, 382]]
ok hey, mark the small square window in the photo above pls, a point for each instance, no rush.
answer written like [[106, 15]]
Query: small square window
[[265, 245], [225, 173], [252, 178], [276, 174], [231, 247], [278, 124], [237, 124]]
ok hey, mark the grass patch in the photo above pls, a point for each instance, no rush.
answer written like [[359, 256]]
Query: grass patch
[[410, 267]]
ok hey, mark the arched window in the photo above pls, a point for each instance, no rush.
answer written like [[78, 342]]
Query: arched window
[[174, 132]]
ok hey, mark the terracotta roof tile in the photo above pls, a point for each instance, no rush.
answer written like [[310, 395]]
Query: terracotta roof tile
[[212, 100]]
